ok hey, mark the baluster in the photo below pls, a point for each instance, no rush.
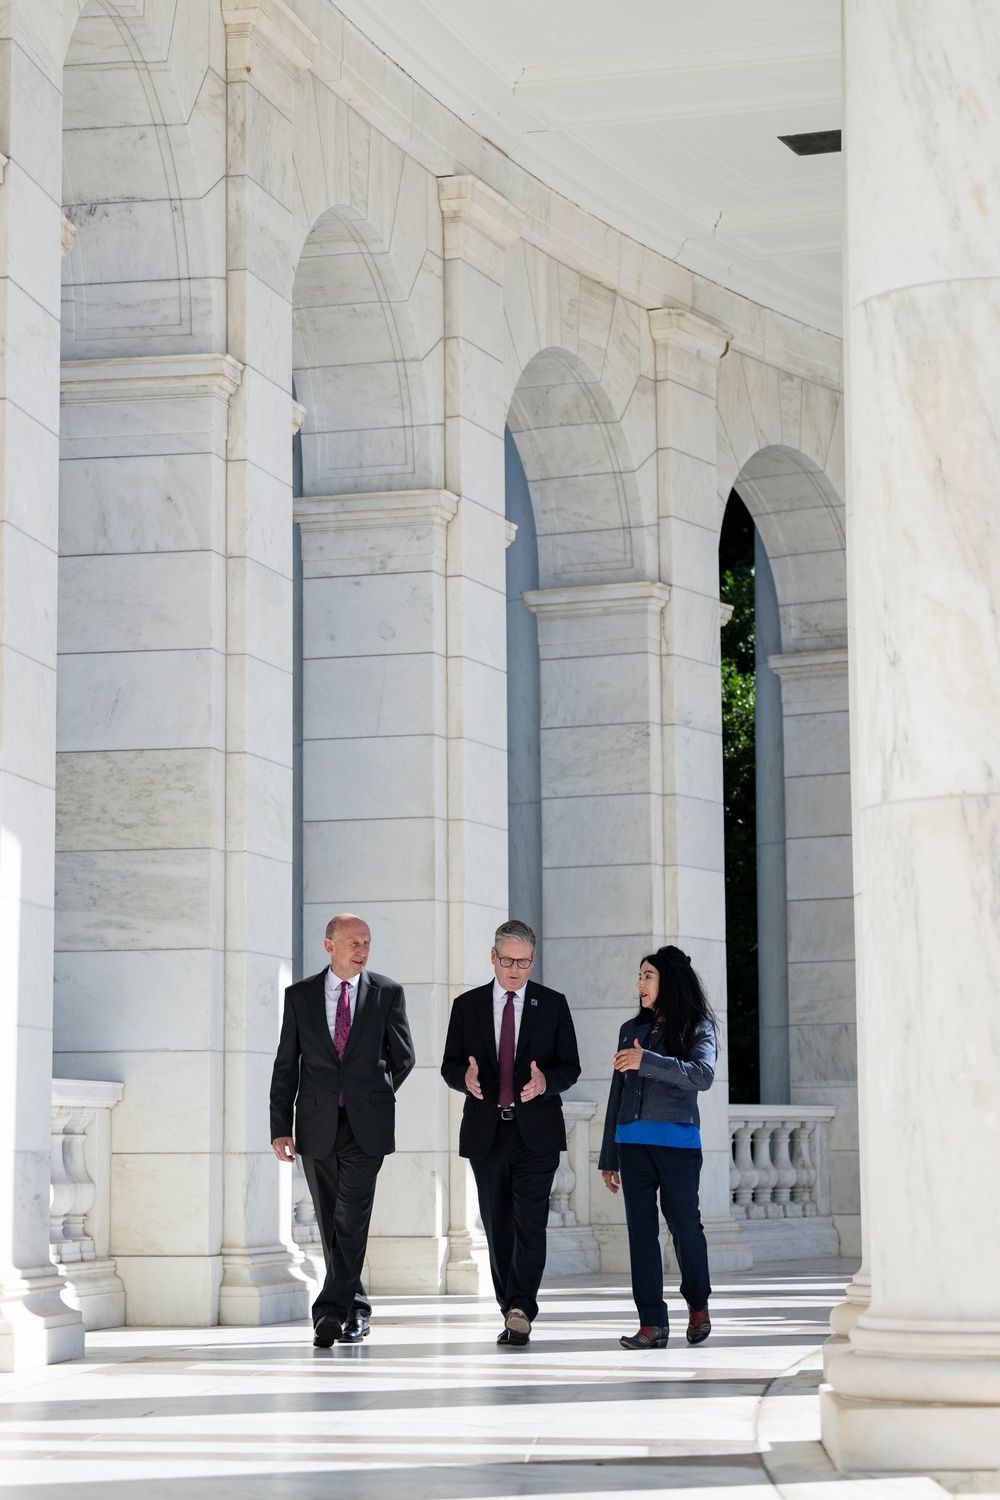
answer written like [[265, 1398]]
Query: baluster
[[743, 1165], [784, 1173], [805, 1169], [561, 1216], [763, 1208], [73, 1193]]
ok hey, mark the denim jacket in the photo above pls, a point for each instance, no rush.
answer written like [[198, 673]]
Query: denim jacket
[[662, 1088]]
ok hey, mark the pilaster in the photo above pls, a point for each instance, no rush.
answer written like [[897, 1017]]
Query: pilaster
[[267, 47], [36, 1325], [687, 353], [478, 226], [375, 807]]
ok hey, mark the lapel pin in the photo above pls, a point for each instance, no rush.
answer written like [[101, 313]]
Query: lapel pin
[[533, 1000]]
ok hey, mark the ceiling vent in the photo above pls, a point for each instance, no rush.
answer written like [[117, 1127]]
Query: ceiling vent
[[813, 142]]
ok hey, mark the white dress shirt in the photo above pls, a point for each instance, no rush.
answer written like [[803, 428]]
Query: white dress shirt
[[331, 991], [499, 1001]]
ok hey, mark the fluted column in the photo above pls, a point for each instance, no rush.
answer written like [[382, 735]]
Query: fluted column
[[688, 350], [918, 1384], [36, 1326]]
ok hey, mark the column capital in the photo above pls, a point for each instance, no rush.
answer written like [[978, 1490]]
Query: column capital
[[581, 600], [165, 377], [266, 44], [812, 681], [677, 326], [479, 223], [379, 510]]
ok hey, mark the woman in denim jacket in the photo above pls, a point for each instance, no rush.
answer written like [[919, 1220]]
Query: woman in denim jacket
[[665, 1058]]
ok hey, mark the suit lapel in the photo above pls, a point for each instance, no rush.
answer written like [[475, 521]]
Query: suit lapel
[[319, 1006], [529, 1012], [485, 1006], [362, 1008]]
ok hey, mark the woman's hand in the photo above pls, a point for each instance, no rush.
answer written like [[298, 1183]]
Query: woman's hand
[[628, 1060], [612, 1181]]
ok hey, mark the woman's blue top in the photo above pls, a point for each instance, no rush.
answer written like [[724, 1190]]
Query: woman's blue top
[[658, 1133]]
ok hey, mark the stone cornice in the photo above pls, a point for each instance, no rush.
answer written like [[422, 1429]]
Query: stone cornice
[[801, 666], [642, 597], [157, 378], [299, 414], [379, 510]]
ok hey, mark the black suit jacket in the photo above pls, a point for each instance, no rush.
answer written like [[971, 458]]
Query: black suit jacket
[[309, 1076], [546, 1037]]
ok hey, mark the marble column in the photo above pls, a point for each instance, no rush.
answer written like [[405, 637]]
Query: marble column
[[822, 1037], [917, 1386], [478, 227], [36, 1326], [141, 803], [603, 901], [267, 46], [375, 811], [687, 351]]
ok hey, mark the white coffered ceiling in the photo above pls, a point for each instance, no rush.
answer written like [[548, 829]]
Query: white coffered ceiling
[[661, 117]]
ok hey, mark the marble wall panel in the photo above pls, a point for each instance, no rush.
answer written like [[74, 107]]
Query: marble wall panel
[[147, 602], [819, 866], [390, 695], [143, 999], [146, 799], [350, 862], [166, 1203], [599, 830], [387, 777], [103, 505], [135, 898], [376, 615]]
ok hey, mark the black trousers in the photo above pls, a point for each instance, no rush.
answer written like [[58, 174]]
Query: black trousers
[[674, 1172], [343, 1192], [514, 1185]]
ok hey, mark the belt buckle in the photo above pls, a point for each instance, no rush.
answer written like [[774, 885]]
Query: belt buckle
[[507, 1112]]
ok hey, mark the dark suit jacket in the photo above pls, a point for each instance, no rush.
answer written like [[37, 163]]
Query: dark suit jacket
[[309, 1076], [546, 1037]]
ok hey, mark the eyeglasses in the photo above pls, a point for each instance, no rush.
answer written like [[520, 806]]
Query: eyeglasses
[[522, 963]]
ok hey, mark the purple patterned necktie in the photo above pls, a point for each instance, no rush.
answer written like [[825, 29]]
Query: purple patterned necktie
[[506, 1053], [342, 1027]]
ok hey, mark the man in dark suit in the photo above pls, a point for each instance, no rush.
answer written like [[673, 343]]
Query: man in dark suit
[[345, 1048], [511, 1049]]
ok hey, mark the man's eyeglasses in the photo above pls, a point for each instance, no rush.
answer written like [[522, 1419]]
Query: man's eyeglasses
[[522, 963]]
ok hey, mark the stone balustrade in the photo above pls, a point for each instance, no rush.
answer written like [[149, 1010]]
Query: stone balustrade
[[779, 1178], [572, 1246], [80, 1211]]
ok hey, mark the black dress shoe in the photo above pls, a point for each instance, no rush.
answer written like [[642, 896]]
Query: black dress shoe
[[357, 1327], [503, 1337], [327, 1331], [517, 1326]]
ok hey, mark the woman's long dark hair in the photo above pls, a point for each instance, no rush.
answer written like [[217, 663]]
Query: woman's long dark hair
[[681, 1008]]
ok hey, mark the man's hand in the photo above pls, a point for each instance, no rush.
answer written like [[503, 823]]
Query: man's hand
[[284, 1148], [612, 1181], [534, 1086], [472, 1079], [629, 1058]]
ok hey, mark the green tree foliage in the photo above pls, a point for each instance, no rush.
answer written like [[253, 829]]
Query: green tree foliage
[[736, 575]]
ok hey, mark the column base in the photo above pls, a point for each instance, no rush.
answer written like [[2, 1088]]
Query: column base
[[407, 1265], [612, 1245], [907, 1437], [728, 1250], [171, 1291], [261, 1287], [36, 1326], [467, 1273], [95, 1289], [844, 1318]]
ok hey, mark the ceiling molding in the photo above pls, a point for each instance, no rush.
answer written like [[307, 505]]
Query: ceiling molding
[[726, 63]]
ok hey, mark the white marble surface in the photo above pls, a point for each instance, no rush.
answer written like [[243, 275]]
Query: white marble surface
[[429, 1407]]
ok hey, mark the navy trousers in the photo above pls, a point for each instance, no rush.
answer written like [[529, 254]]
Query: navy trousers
[[673, 1172]]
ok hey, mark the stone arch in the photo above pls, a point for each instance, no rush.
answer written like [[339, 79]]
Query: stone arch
[[780, 446], [144, 182], [581, 411], [367, 306]]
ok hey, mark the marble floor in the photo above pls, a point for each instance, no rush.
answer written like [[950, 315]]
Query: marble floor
[[429, 1408]]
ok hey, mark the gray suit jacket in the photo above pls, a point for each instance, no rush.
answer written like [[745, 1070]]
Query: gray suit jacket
[[308, 1076]]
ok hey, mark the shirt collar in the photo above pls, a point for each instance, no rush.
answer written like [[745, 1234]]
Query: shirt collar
[[332, 978], [501, 993]]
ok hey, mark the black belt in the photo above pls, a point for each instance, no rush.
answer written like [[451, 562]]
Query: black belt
[[507, 1112]]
